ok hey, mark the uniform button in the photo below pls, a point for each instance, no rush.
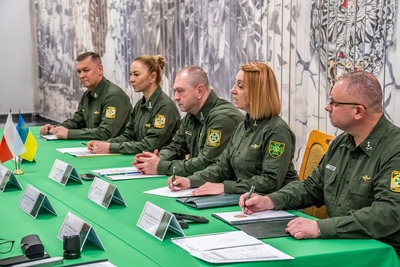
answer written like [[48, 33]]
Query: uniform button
[[339, 205]]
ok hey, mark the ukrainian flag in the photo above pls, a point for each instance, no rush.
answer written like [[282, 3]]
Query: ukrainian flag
[[27, 139]]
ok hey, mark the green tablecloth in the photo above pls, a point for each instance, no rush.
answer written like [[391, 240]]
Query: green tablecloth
[[126, 243]]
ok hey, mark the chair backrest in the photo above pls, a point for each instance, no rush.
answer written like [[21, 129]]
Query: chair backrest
[[317, 145]]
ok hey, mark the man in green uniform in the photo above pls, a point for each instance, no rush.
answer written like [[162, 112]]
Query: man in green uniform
[[204, 131], [358, 179], [103, 110]]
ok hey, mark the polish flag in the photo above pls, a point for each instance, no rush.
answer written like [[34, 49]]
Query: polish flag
[[11, 145]]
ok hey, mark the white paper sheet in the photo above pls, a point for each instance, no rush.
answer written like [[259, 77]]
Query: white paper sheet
[[229, 247], [166, 192]]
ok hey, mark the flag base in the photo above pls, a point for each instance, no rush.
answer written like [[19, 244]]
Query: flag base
[[18, 172]]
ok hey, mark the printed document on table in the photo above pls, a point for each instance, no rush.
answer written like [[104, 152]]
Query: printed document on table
[[166, 192], [48, 137], [123, 173], [229, 247], [81, 152]]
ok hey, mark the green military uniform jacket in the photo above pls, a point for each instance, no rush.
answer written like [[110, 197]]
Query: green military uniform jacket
[[360, 187], [150, 127], [260, 153], [101, 115], [203, 136]]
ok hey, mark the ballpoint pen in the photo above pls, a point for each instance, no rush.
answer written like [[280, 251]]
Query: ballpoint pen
[[249, 194], [83, 143], [173, 174]]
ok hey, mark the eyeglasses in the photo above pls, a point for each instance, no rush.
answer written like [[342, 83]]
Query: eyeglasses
[[6, 245], [336, 104]]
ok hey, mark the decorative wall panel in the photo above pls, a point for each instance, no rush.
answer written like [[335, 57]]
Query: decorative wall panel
[[307, 43]]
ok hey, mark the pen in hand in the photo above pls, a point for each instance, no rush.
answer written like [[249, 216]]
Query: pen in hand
[[249, 195], [173, 175], [83, 143]]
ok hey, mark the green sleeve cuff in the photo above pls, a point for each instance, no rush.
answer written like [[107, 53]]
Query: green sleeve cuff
[[163, 166], [114, 147], [229, 187], [195, 181], [327, 228], [72, 134], [278, 201]]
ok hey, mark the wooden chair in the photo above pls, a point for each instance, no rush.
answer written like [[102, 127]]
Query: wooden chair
[[317, 145]]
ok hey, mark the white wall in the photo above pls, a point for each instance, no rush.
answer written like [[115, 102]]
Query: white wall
[[18, 66]]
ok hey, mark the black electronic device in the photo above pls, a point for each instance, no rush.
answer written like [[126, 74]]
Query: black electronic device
[[32, 246], [72, 246], [87, 176], [192, 218]]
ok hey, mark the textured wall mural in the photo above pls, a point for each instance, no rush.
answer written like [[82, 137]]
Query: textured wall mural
[[307, 43]]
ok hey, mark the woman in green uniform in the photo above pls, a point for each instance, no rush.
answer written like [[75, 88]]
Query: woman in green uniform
[[153, 119]]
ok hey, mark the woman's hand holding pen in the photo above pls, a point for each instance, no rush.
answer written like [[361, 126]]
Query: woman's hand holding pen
[[179, 183]]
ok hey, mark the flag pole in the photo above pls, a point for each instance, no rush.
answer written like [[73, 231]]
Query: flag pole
[[18, 170]]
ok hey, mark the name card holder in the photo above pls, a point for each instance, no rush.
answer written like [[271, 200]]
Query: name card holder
[[73, 225], [102, 193], [61, 172], [7, 176], [157, 221], [33, 200]]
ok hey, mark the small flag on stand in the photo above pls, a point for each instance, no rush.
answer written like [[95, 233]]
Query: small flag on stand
[[28, 140], [11, 145]]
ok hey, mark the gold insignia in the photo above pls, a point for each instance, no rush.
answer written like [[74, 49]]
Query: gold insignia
[[159, 121], [395, 181], [366, 178], [255, 146], [276, 149], [147, 125], [96, 112], [110, 112], [213, 138]]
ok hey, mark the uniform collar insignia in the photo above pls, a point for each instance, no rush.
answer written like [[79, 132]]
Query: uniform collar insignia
[[95, 95], [255, 123], [149, 106], [201, 116], [96, 112], [369, 147], [366, 178], [255, 146]]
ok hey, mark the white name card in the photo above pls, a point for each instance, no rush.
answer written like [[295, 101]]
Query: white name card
[[61, 172], [102, 193], [5, 176], [33, 200], [73, 225], [157, 221]]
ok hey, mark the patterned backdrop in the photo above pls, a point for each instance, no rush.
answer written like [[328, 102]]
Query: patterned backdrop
[[307, 43]]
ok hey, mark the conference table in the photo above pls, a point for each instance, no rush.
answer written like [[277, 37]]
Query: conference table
[[128, 245]]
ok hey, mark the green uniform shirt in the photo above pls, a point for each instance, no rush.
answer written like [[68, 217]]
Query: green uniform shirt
[[150, 127], [360, 187], [260, 153], [203, 136], [101, 115]]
